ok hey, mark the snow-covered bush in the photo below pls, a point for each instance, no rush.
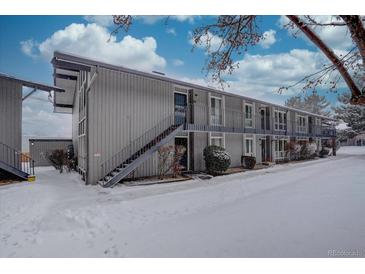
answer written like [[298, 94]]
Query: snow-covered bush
[[248, 162], [217, 160], [312, 148], [308, 151], [294, 150], [324, 153]]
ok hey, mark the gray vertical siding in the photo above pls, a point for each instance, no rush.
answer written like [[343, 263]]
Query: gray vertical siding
[[233, 117], [39, 149], [122, 106], [200, 142], [200, 107], [234, 146], [10, 115]]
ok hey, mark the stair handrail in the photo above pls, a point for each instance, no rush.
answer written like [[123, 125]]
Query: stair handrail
[[138, 143], [16, 159]]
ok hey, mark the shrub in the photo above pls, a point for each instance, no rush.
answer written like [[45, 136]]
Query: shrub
[[177, 168], [248, 162], [323, 153], [312, 148], [294, 150], [217, 160], [308, 151], [58, 159], [169, 158]]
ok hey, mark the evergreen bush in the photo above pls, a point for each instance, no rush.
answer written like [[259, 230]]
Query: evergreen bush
[[217, 160]]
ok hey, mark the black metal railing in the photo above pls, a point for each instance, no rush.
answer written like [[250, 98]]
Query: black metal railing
[[16, 159], [137, 144], [199, 117]]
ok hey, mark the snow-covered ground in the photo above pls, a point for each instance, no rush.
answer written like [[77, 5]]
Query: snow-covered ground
[[295, 210]]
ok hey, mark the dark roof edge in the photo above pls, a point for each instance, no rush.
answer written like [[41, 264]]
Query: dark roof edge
[[49, 139], [85, 61], [31, 84]]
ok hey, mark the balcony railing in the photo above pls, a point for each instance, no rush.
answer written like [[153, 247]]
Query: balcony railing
[[231, 120]]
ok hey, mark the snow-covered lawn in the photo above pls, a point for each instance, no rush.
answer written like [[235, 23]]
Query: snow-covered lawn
[[295, 210]]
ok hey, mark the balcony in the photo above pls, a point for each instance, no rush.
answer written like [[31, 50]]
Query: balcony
[[234, 121]]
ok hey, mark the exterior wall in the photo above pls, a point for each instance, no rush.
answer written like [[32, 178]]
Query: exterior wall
[[121, 107], [200, 98], [233, 115], [40, 148], [234, 146], [200, 142], [10, 115], [75, 122]]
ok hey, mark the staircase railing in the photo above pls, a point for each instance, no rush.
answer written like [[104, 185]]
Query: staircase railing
[[135, 145], [16, 159]]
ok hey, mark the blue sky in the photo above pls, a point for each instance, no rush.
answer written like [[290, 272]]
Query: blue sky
[[27, 44]]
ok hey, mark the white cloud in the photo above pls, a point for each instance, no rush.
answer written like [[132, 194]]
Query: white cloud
[[91, 41], [177, 62], [260, 76], [183, 18], [171, 31], [152, 19], [268, 39], [336, 37], [266, 73], [214, 40], [27, 47], [102, 20], [40, 121]]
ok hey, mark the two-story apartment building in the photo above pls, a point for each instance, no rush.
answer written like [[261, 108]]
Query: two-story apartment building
[[122, 116]]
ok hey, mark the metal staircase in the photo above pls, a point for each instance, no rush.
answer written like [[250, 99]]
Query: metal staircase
[[14, 163], [139, 150]]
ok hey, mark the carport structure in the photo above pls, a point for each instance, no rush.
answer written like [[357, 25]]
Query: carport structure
[[13, 163]]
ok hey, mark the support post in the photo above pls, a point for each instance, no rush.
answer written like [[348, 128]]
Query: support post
[[334, 146]]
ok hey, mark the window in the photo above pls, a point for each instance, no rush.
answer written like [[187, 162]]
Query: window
[[216, 111], [301, 122], [249, 146], [280, 120], [280, 149], [217, 141], [248, 115]]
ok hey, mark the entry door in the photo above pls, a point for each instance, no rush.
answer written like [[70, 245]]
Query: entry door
[[263, 118], [180, 101], [182, 141], [263, 150], [310, 125]]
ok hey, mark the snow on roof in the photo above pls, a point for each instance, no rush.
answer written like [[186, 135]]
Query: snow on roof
[[342, 126]]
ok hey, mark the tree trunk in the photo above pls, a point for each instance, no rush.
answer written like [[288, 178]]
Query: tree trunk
[[355, 91], [357, 30]]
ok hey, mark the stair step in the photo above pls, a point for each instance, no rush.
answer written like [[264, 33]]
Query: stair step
[[129, 165]]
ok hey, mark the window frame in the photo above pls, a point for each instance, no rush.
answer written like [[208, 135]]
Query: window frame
[[246, 125], [301, 122], [283, 125], [250, 140], [213, 116], [280, 153]]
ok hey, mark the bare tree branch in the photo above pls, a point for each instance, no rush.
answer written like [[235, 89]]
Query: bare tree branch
[[231, 35], [357, 30], [356, 93]]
